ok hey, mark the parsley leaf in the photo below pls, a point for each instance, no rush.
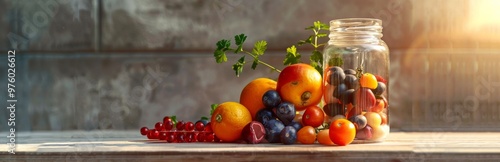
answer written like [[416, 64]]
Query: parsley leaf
[[223, 45], [220, 56], [292, 57], [316, 56], [259, 47], [239, 39], [335, 61], [321, 35], [238, 66]]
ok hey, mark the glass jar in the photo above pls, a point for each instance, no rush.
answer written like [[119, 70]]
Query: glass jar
[[356, 76]]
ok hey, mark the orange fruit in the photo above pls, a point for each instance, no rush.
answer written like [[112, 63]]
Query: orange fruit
[[251, 95], [368, 80], [301, 85], [306, 135], [324, 137], [228, 121]]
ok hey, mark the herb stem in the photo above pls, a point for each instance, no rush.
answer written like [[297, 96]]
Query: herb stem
[[262, 62]]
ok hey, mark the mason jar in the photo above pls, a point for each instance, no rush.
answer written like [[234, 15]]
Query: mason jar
[[356, 77]]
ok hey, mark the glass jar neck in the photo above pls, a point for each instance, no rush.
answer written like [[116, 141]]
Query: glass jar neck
[[355, 30]]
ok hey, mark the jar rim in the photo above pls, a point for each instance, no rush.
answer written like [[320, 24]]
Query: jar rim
[[356, 22]]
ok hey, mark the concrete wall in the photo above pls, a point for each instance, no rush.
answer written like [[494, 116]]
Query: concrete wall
[[122, 64]]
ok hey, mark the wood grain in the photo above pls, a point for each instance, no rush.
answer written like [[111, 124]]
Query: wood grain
[[130, 146]]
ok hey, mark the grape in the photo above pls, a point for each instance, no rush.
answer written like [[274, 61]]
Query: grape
[[351, 81], [380, 89], [199, 126], [337, 76], [271, 99], [339, 90], [144, 131], [189, 126], [285, 112], [333, 109], [347, 96], [359, 121], [364, 134], [264, 115], [288, 135], [364, 99], [350, 71], [373, 119]]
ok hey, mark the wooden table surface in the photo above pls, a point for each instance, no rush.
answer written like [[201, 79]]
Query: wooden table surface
[[130, 146]]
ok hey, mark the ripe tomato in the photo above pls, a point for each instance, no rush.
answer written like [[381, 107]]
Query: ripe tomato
[[313, 116], [342, 132], [306, 135]]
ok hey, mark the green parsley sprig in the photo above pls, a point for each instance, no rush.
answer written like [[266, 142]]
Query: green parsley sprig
[[291, 57], [258, 50], [316, 57]]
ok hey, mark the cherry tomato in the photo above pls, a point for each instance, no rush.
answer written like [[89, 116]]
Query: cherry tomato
[[342, 132], [313, 116], [306, 135], [324, 137]]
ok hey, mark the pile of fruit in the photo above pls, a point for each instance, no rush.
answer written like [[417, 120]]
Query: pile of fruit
[[308, 102], [287, 111]]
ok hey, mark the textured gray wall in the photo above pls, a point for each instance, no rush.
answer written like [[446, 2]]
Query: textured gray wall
[[122, 64]]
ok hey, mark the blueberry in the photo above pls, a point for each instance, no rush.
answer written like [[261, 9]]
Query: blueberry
[[381, 87], [339, 90], [285, 112], [271, 99], [264, 115], [273, 130], [296, 125], [288, 135]]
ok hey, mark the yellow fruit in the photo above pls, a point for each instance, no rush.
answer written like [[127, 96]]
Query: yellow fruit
[[373, 119], [368, 80], [228, 121], [251, 95], [324, 137]]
